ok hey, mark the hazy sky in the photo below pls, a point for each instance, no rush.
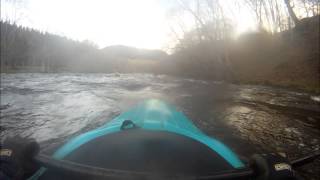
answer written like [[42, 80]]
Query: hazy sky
[[139, 23]]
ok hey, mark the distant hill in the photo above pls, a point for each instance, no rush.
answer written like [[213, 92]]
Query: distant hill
[[28, 50], [127, 52]]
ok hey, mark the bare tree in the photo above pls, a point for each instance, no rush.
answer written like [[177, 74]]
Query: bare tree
[[291, 12], [207, 40]]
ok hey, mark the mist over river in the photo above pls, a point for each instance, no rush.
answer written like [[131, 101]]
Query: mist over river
[[52, 108]]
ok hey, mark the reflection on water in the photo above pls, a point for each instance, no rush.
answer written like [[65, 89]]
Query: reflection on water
[[55, 107]]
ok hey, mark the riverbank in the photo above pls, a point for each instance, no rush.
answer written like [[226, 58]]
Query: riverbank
[[297, 75], [289, 59]]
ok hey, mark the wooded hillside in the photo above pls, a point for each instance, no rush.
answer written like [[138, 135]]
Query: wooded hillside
[[282, 51]]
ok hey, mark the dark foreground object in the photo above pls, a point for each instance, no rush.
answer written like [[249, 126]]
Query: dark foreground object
[[156, 152], [261, 167]]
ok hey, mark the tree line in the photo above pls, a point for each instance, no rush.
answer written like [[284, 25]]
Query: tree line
[[282, 50], [209, 40], [26, 49]]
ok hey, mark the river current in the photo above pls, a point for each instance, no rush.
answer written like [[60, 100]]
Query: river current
[[53, 108]]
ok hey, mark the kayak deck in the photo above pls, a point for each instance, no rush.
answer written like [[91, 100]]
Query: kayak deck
[[158, 139], [140, 150]]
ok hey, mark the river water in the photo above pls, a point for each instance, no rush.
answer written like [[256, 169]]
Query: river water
[[52, 108]]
